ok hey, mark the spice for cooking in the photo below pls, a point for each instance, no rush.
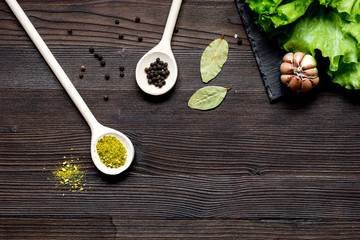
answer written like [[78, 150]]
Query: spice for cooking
[[96, 55], [213, 58], [239, 42], [122, 74], [102, 63], [208, 97], [100, 57], [176, 30], [106, 97], [107, 76], [121, 68], [137, 19], [299, 72], [140, 39], [81, 75], [70, 175], [111, 152], [157, 73], [83, 68], [70, 31], [91, 50], [121, 36], [116, 21]]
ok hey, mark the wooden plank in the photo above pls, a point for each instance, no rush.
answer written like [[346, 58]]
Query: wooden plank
[[141, 194], [93, 23], [106, 228], [248, 169]]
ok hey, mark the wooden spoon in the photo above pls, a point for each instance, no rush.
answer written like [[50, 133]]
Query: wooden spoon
[[162, 51], [97, 129]]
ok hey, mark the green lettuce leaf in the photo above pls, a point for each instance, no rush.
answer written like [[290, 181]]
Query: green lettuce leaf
[[323, 29], [351, 8], [330, 27], [348, 76], [272, 14]]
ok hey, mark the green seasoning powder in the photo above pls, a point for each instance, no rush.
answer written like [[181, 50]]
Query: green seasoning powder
[[71, 176], [111, 151]]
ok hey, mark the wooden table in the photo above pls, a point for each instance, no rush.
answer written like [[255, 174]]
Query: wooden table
[[246, 170]]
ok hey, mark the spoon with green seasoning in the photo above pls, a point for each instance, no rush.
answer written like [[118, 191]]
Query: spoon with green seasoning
[[161, 52], [98, 131]]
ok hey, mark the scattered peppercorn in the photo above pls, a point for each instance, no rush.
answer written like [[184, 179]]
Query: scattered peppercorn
[[100, 57], [102, 63], [176, 30], [140, 39], [157, 73], [116, 21], [96, 55], [122, 74], [121, 68], [107, 76], [137, 19], [239, 42], [121, 36], [70, 31], [83, 68], [81, 75], [91, 50], [106, 97]]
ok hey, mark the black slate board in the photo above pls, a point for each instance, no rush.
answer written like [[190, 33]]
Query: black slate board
[[267, 54]]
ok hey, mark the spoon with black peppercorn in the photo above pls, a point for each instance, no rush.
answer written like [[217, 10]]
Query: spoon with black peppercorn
[[97, 130], [162, 51]]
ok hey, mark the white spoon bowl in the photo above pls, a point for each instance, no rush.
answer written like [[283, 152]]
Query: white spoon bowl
[[101, 131], [145, 61]]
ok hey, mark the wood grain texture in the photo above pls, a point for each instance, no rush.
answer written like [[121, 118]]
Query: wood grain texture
[[246, 170]]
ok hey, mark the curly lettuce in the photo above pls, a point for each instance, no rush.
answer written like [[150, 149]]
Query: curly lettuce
[[328, 26]]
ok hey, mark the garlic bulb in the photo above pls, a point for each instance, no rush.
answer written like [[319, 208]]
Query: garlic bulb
[[299, 72]]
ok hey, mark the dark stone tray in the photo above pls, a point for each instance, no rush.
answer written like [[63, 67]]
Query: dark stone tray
[[268, 55]]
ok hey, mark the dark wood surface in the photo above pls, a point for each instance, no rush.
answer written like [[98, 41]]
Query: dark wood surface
[[246, 170]]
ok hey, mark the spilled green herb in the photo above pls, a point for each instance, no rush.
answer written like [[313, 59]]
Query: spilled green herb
[[70, 176]]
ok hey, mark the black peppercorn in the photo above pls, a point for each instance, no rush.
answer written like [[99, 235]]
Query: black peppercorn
[[140, 39], [121, 36], [102, 63], [81, 75], [116, 21], [121, 68], [83, 68], [96, 55], [106, 97], [91, 50], [107, 76], [157, 73], [137, 19], [239, 42], [100, 57], [70, 31], [176, 30], [122, 74]]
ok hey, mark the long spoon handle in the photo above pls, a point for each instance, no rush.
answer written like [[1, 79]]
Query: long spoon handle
[[52, 62], [171, 21]]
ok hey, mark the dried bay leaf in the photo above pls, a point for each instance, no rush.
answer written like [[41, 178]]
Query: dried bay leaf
[[208, 97], [213, 58]]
